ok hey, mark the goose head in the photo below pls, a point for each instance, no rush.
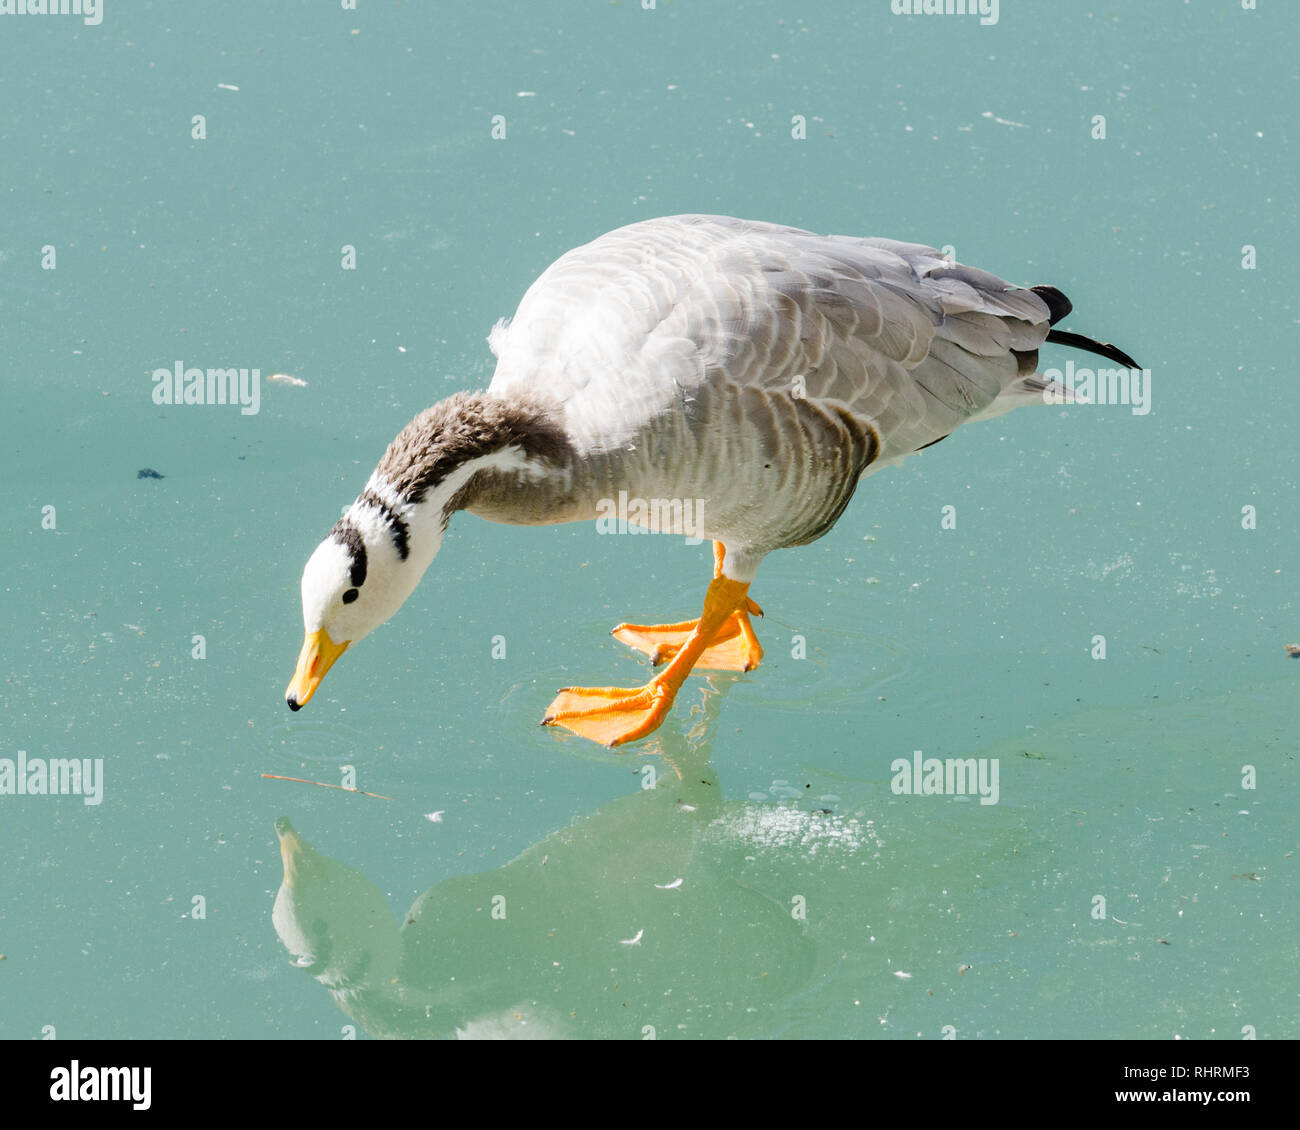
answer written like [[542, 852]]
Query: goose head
[[361, 574], [375, 555]]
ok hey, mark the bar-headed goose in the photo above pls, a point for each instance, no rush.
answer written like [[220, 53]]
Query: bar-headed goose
[[761, 369]]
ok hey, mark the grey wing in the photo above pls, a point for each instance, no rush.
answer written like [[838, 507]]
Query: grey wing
[[625, 327], [895, 331]]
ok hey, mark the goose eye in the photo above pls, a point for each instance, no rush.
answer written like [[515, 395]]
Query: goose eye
[[350, 596]]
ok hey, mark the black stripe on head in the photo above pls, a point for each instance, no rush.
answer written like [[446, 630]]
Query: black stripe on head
[[396, 524], [349, 537]]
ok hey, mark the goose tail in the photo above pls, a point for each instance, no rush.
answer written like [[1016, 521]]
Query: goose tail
[[1058, 306]]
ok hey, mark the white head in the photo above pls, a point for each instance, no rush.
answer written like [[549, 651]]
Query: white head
[[373, 559], [359, 576]]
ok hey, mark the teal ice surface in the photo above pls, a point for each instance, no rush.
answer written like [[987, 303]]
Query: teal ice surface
[[1134, 877]]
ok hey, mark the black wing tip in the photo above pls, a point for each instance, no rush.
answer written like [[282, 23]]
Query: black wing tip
[[1058, 306], [1101, 348]]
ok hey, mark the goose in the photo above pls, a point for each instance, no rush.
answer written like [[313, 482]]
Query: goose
[[756, 370]]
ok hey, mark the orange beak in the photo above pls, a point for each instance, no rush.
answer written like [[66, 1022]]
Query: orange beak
[[319, 653]]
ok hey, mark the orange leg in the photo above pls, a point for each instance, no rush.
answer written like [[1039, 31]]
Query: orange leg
[[734, 647], [614, 715]]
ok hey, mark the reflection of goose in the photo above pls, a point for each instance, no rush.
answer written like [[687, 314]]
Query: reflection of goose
[[631, 917], [752, 371], [581, 894]]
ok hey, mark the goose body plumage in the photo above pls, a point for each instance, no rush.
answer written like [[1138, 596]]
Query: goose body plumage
[[759, 367], [754, 370]]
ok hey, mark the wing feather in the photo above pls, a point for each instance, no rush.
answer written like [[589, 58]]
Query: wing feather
[[621, 328]]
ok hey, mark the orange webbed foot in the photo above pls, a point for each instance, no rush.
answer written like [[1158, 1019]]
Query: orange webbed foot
[[610, 715], [734, 646], [614, 715]]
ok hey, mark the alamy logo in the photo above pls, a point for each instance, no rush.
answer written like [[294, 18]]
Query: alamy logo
[[90, 11], [987, 10], [57, 776], [626, 515], [956, 776], [102, 1084], [179, 385], [1099, 386]]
